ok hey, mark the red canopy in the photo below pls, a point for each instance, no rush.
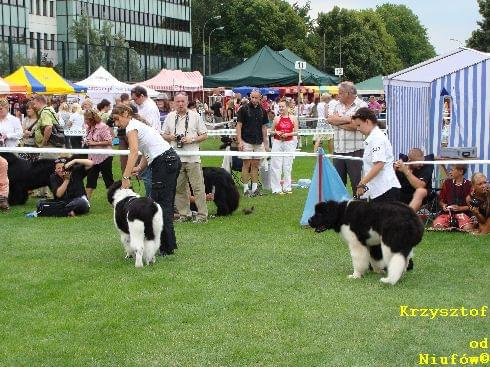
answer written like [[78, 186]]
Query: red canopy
[[175, 80]]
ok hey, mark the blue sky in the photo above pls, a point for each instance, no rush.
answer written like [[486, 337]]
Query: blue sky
[[444, 19]]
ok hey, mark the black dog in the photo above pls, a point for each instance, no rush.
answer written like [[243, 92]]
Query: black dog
[[219, 182], [25, 175], [378, 234]]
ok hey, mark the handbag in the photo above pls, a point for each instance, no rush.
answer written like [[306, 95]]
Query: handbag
[[57, 137]]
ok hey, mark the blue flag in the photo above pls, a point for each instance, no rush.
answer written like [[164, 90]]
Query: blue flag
[[332, 188]]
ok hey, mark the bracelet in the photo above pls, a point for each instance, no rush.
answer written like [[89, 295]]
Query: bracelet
[[362, 186], [126, 178]]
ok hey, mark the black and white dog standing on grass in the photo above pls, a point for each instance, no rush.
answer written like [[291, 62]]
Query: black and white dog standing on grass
[[380, 234], [139, 222]]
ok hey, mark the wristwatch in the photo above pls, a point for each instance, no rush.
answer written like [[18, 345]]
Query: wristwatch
[[126, 178]]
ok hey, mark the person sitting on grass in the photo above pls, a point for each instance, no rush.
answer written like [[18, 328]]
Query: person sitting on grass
[[66, 183], [479, 202], [416, 180], [452, 200]]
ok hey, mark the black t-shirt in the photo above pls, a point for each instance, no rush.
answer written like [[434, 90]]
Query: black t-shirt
[[216, 107], [252, 119], [75, 188], [423, 173]]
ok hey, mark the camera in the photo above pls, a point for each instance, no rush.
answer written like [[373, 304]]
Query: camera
[[180, 143], [475, 202], [453, 222]]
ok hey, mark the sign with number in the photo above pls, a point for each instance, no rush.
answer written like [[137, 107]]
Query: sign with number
[[339, 71], [300, 65]]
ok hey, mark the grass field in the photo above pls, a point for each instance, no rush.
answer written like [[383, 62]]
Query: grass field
[[240, 291]]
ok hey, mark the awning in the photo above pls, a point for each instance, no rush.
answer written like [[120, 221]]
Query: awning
[[103, 81], [43, 80], [175, 80], [10, 88]]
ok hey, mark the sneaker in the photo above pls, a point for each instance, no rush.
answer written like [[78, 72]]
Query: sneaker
[[256, 193], [248, 194], [200, 220], [4, 204], [31, 214], [183, 219]]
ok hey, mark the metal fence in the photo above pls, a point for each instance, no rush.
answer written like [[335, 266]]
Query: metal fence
[[76, 61]]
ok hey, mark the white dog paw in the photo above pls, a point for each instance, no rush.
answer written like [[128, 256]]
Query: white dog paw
[[354, 276], [387, 281], [138, 265]]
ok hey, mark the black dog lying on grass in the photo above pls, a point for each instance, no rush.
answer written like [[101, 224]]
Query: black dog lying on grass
[[25, 175]]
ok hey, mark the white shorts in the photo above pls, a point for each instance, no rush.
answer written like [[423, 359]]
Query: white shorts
[[252, 148]]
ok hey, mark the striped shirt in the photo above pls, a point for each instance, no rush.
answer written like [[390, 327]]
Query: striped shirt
[[347, 141]]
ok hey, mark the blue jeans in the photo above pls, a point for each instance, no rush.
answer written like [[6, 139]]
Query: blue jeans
[[146, 177], [165, 170]]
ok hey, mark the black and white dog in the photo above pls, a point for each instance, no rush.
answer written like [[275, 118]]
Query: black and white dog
[[139, 222], [379, 234]]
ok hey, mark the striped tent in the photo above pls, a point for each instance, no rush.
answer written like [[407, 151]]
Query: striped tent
[[9, 88], [43, 80], [175, 80], [415, 100]]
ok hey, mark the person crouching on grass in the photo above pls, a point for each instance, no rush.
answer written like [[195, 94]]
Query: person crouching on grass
[[66, 183]]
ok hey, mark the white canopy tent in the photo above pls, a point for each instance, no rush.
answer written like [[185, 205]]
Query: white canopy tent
[[102, 84]]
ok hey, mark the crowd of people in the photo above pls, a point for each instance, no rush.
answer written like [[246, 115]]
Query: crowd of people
[[161, 129]]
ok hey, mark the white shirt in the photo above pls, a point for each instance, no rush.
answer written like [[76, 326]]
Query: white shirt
[[150, 112], [331, 106], [377, 148], [195, 127], [347, 141], [150, 142], [321, 109], [11, 130], [77, 121]]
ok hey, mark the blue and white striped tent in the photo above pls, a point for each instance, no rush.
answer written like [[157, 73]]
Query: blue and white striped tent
[[415, 98]]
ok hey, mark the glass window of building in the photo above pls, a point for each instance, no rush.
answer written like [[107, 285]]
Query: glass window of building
[[31, 39], [51, 9], [45, 8], [53, 41], [38, 7]]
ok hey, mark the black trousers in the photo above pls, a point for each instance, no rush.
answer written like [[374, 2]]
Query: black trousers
[[346, 167], [392, 194], [93, 174], [165, 170]]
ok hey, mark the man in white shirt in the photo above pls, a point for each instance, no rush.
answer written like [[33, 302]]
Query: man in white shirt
[[348, 140], [184, 129], [10, 127], [147, 109]]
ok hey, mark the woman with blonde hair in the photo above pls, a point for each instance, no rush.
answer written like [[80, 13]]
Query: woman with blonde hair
[[163, 161], [285, 127]]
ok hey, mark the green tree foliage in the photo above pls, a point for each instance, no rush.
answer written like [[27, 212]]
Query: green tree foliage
[[250, 25], [18, 60], [367, 48], [411, 38], [104, 45], [480, 38]]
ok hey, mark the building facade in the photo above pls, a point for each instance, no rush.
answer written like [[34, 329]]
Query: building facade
[[158, 30]]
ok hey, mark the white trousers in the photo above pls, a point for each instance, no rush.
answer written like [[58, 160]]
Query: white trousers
[[282, 165]]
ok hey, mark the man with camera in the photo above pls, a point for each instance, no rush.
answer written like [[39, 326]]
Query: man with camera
[[66, 183], [185, 130]]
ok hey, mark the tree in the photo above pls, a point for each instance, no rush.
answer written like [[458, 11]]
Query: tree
[[411, 38], [104, 45], [250, 25], [18, 60], [367, 48], [480, 38]]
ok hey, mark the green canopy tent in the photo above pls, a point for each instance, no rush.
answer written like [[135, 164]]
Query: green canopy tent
[[325, 79], [265, 68], [372, 85]]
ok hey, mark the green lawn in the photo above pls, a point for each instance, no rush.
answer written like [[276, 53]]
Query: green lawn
[[240, 291]]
